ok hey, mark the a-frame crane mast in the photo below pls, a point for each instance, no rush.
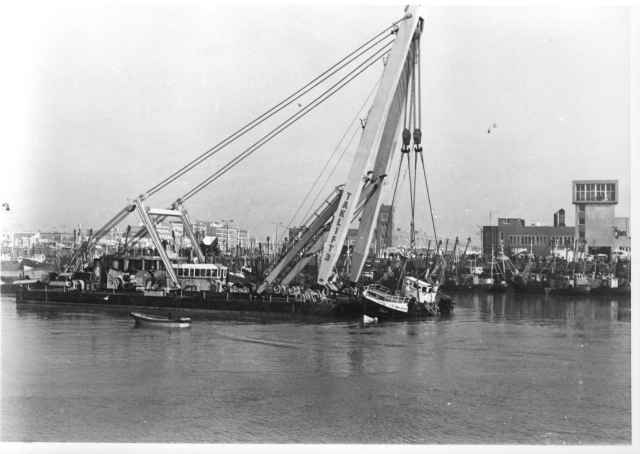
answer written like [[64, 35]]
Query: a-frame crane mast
[[374, 150]]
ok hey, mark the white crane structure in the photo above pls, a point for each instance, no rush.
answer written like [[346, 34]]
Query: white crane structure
[[394, 118]]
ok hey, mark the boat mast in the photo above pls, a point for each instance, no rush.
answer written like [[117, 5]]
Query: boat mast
[[492, 262]]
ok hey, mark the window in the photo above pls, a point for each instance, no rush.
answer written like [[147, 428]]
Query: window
[[197, 272], [600, 192], [611, 192]]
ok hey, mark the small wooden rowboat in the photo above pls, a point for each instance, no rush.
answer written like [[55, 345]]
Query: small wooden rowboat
[[157, 321]]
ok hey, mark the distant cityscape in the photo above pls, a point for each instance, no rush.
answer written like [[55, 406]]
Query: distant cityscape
[[597, 231], [44, 245]]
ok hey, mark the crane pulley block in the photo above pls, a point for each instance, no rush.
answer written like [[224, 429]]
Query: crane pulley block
[[417, 136], [406, 137]]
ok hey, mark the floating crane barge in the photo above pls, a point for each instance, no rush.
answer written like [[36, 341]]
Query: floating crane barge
[[394, 110]]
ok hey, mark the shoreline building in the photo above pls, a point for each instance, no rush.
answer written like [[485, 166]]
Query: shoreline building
[[517, 237], [230, 236], [598, 230]]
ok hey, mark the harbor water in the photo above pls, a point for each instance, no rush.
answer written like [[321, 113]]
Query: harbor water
[[503, 369]]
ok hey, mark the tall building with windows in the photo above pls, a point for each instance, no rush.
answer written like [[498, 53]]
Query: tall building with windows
[[597, 229]]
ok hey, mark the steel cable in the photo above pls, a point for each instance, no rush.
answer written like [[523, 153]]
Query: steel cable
[[330, 158], [285, 124], [332, 70]]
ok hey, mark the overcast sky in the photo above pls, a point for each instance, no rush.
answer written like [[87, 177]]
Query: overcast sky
[[117, 97]]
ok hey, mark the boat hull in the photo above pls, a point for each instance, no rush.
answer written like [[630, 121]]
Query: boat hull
[[375, 305], [571, 291], [608, 291]]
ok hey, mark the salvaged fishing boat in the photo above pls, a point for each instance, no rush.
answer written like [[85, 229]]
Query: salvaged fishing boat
[[156, 321], [417, 298]]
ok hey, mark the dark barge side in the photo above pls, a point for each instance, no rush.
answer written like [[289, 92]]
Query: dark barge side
[[337, 307]]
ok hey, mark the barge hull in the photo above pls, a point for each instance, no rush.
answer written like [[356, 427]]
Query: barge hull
[[339, 308]]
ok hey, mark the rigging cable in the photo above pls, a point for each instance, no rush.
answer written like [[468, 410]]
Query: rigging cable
[[412, 238], [341, 64], [404, 87], [355, 118], [424, 171], [288, 122]]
